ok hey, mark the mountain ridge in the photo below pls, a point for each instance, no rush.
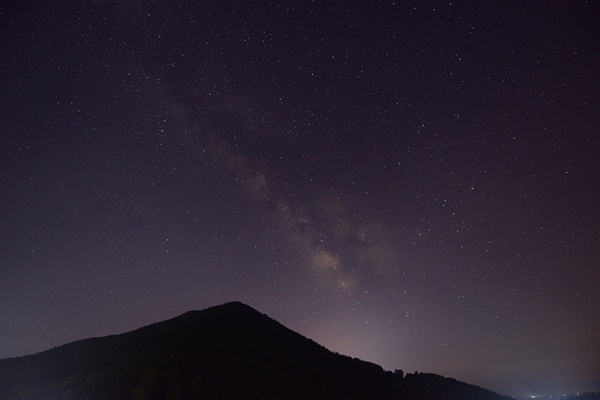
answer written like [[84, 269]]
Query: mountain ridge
[[229, 351]]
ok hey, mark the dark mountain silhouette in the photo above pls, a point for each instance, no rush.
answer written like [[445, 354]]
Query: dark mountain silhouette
[[225, 352]]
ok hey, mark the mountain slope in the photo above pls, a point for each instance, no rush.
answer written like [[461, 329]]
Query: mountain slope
[[226, 352]]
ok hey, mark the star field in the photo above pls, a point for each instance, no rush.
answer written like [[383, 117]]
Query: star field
[[410, 183]]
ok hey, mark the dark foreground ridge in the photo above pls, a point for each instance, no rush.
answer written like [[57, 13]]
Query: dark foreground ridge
[[229, 351]]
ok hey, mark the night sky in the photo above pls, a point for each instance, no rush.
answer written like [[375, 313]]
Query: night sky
[[411, 183]]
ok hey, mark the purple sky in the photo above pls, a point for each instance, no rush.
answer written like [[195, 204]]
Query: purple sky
[[411, 183]]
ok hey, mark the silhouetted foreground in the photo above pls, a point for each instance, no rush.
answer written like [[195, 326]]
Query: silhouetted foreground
[[584, 396], [225, 352]]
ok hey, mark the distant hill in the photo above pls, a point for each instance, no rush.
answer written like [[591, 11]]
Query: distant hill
[[225, 352]]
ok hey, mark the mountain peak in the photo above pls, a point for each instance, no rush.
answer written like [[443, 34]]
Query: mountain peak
[[231, 306], [228, 351], [235, 305]]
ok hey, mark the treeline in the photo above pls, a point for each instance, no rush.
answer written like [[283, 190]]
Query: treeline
[[584, 396]]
